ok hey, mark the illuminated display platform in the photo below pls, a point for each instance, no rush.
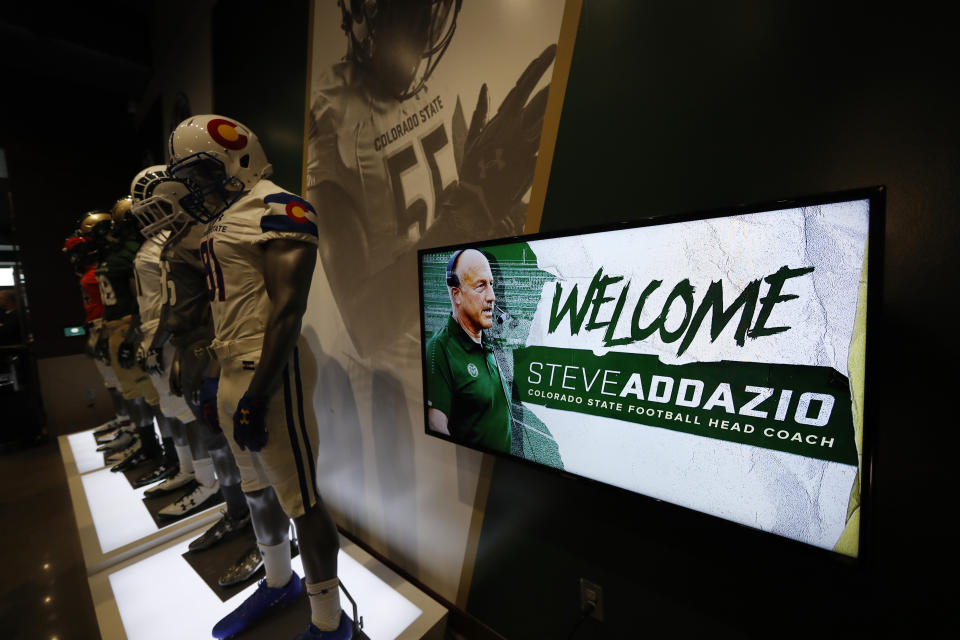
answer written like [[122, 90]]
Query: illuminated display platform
[[111, 517], [158, 595], [83, 453]]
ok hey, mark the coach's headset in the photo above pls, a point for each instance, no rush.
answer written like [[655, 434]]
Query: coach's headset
[[452, 279]]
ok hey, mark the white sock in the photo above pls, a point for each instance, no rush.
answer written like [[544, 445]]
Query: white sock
[[324, 604], [186, 458], [276, 563], [203, 471]]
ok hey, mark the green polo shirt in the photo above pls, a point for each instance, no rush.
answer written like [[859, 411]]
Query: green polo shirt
[[464, 382]]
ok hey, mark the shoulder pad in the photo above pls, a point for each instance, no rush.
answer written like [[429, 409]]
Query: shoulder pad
[[288, 213]]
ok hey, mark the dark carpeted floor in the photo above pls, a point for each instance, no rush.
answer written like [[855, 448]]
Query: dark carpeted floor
[[43, 590]]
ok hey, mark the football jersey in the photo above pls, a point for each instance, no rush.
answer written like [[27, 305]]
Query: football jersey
[[392, 159], [150, 291], [90, 288], [186, 309], [113, 276], [232, 253]]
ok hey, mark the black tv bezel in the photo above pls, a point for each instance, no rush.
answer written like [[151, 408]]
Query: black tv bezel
[[876, 196]]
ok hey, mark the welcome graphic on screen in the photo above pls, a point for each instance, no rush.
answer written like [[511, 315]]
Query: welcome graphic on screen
[[715, 364]]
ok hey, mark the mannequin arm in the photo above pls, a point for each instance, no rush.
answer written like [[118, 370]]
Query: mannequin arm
[[288, 271]]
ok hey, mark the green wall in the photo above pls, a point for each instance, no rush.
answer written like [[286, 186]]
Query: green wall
[[675, 107], [259, 77]]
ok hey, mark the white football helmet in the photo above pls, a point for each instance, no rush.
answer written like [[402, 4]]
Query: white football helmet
[[217, 159], [156, 203]]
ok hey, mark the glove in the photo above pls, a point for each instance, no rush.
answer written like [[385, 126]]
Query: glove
[[175, 381], [102, 350], [208, 403], [499, 156], [127, 354], [249, 428], [150, 360]]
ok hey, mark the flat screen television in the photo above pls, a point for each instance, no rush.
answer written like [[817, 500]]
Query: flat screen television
[[715, 361]]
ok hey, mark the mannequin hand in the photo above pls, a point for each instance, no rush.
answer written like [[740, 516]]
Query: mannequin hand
[[127, 355], [176, 384], [102, 350], [208, 403], [249, 428], [150, 360]]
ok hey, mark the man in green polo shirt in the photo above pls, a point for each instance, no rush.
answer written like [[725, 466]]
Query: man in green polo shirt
[[466, 395]]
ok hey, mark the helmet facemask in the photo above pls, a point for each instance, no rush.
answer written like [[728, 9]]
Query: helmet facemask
[[160, 216], [400, 43], [210, 190]]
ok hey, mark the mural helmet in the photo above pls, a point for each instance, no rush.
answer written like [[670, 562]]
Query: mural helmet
[[156, 203], [399, 42], [217, 159]]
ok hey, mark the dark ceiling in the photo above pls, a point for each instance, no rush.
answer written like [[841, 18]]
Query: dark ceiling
[[102, 45]]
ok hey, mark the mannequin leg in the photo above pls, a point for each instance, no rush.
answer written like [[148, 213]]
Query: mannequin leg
[[319, 543]]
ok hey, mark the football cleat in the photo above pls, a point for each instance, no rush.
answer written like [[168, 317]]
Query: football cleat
[[225, 527], [243, 569], [122, 454], [181, 479], [344, 631], [112, 436], [135, 459], [161, 472], [264, 600], [190, 502], [120, 442], [106, 427]]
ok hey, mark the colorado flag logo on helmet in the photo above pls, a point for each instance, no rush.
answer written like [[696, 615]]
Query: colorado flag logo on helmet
[[298, 216], [226, 134]]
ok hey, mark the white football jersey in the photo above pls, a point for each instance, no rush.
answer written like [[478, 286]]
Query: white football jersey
[[233, 259], [146, 270]]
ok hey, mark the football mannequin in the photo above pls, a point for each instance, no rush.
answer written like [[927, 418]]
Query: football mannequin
[[115, 276], [82, 250], [259, 251], [176, 418], [184, 331]]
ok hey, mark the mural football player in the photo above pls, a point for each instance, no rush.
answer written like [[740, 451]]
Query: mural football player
[[391, 165]]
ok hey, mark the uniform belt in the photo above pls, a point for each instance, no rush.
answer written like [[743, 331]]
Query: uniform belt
[[234, 348], [119, 322]]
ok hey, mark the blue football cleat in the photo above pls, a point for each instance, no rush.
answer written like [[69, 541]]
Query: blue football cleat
[[343, 632], [264, 600]]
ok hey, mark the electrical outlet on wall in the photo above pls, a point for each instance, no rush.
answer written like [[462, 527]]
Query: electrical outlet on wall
[[591, 593]]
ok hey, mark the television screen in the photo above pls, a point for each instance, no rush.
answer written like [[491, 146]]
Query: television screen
[[714, 361]]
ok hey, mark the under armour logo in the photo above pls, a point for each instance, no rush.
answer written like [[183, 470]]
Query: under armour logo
[[243, 416], [497, 163]]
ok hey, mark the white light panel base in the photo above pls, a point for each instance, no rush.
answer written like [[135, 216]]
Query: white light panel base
[[83, 447], [158, 595], [112, 520]]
